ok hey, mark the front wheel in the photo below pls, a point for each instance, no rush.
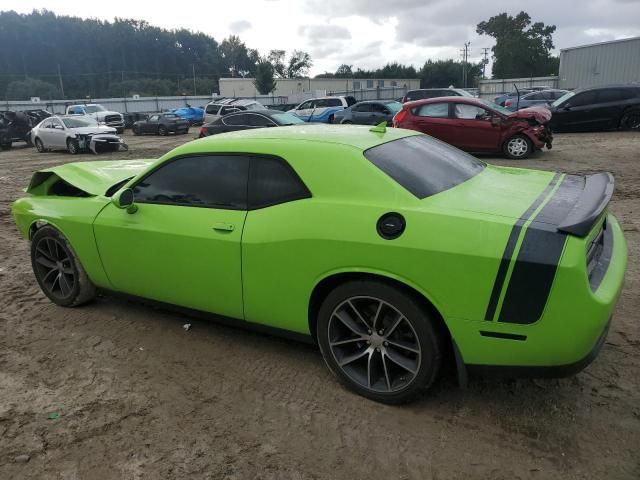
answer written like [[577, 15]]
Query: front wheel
[[73, 146], [518, 147], [162, 130], [630, 120], [39, 145], [58, 270], [136, 130], [378, 341]]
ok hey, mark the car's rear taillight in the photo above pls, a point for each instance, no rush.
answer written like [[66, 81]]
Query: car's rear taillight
[[399, 117], [203, 132]]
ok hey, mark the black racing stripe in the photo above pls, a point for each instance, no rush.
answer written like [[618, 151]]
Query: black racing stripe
[[504, 336], [539, 255], [510, 247]]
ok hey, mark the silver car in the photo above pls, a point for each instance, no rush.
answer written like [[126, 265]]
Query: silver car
[[75, 134]]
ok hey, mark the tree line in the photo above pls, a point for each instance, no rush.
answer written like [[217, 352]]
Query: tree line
[[51, 56]]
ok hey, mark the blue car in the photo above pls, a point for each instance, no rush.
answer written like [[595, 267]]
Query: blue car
[[194, 115], [322, 110], [501, 99], [543, 98]]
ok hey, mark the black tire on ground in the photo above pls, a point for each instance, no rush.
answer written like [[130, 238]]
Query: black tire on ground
[[136, 130], [72, 146], [630, 119], [39, 145], [331, 118], [162, 130], [347, 122], [518, 147], [401, 356], [58, 269], [6, 146]]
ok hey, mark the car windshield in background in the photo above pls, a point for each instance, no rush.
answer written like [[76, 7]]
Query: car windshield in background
[[93, 108], [286, 119], [395, 107], [79, 122], [423, 165], [256, 106], [563, 98], [496, 107]]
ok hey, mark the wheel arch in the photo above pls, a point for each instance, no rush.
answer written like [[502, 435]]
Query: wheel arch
[[626, 110], [332, 280]]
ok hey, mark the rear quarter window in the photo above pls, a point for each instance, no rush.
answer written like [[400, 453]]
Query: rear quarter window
[[423, 165]]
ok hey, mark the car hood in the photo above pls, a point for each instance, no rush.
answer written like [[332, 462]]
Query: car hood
[[540, 114], [100, 129], [93, 178], [102, 115]]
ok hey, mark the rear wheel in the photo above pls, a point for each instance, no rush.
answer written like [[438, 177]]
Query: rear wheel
[[518, 147], [58, 270], [136, 130], [39, 145], [162, 130], [630, 120], [72, 146], [378, 341], [6, 146]]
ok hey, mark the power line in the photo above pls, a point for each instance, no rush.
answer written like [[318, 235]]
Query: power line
[[465, 57], [485, 60]]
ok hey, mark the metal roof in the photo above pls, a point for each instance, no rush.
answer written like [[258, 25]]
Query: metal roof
[[601, 43]]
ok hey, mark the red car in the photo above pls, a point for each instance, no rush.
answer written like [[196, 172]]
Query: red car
[[478, 126]]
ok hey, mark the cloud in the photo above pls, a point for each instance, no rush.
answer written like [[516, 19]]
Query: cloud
[[324, 32], [239, 26]]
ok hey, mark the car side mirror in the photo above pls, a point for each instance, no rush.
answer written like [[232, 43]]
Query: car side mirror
[[496, 121], [125, 200]]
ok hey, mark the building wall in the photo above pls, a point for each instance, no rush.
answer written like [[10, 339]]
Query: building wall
[[244, 87], [600, 64], [497, 86]]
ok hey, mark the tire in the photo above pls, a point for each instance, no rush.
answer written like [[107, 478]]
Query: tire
[[347, 122], [369, 363], [72, 146], [630, 120], [136, 130], [162, 130], [39, 145], [331, 118], [518, 147], [58, 269], [6, 146]]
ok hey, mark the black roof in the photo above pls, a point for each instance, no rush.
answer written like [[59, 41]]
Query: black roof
[[602, 87]]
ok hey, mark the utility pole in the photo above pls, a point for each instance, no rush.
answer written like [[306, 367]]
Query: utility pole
[[485, 60], [60, 80], [465, 56], [193, 69]]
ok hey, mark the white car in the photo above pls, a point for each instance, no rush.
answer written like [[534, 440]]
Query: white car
[[101, 114], [75, 134], [322, 109], [219, 108]]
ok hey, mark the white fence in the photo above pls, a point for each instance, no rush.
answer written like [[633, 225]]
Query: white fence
[[380, 93], [494, 87], [130, 105]]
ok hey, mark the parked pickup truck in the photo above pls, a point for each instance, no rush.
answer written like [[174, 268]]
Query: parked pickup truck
[[101, 114]]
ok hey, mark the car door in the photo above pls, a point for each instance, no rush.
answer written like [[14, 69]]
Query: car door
[[57, 134], [380, 114], [152, 124], [575, 112], [474, 130], [257, 120], [607, 108], [236, 121], [182, 245], [44, 132], [433, 119], [361, 113], [319, 106], [304, 110]]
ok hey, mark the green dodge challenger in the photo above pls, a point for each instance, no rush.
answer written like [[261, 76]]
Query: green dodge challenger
[[388, 248]]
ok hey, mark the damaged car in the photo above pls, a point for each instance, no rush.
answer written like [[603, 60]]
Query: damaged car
[[16, 126], [75, 134], [479, 126]]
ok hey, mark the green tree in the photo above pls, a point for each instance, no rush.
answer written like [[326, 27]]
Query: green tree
[[443, 73], [264, 82], [276, 58], [299, 64], [31, 87], [344, 71], [522, 49]]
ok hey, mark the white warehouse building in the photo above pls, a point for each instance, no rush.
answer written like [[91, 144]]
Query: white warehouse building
[[244, 87]]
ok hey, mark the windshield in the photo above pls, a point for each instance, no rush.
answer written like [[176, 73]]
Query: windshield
[[395, 107], [423, 165], [256, 106], [286, 119], [94, 108], [563, 98], [79, 122], [496, 107]]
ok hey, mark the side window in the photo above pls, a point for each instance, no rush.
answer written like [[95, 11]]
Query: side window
[[154, 118], [57, 124], [212, 109], [581, 99], [470, 112], [438, 110], [535, 96], [259, 121], [239, 119], [214, 181], [273, 181], [609, 95], [333, 102], [226, 110], [363, 107], [321, 103], [305, 105], [46, 124], [356, 85], [369, 83], [379, 108]]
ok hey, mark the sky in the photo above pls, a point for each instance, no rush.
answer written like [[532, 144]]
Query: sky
[[362, 33]]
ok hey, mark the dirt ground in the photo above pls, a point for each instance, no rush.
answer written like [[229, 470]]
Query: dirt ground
[[138, 397]]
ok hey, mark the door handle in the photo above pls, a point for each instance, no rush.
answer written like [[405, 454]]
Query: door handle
[[223, 227]]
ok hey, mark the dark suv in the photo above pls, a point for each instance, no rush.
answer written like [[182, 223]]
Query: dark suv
[[598, 108]]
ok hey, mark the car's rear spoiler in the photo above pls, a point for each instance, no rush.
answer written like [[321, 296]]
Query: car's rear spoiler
[[595, 197]]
